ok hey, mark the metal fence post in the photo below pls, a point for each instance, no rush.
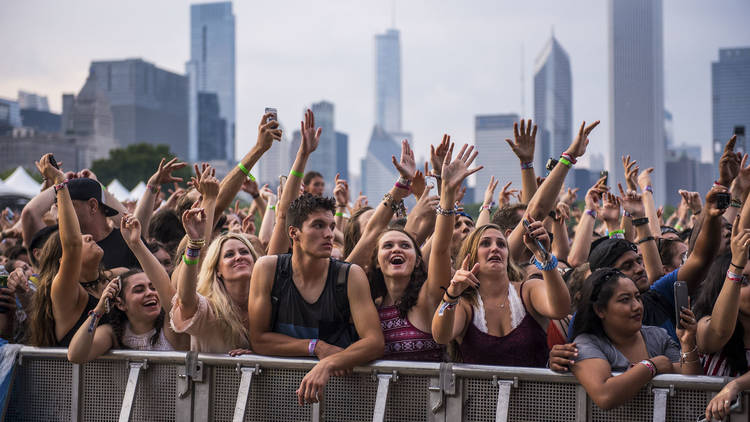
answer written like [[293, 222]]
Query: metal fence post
[[583, 404], [381, 398], [133, 377], [660, 404], [503, 398], [244, 391], [76, 392]]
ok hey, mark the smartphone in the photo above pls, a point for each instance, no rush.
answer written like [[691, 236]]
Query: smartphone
[[605, 175], [3, 284], [273, 116], [551, 163], [9, 216], [53, 162], [681, 299], [723, 199], [538, 243], [431, 181]]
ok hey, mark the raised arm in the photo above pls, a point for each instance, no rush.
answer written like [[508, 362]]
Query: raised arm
[[90, 341], [649, 204], [269, 218], [523, 147], [699, 261], [489, 194], [715, 330], [341, 194], [268, 131], [421, 220], [145, 208], [310, 138], [561, 242], [451, 318], [632, 202], [549, 298], [406, 167]]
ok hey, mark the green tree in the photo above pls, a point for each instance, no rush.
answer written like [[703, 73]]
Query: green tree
[[133, 164]]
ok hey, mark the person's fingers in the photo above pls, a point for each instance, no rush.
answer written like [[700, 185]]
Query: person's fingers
[[475, 269]]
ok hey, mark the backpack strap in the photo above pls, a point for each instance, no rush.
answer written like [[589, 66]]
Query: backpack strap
[[342, 293]]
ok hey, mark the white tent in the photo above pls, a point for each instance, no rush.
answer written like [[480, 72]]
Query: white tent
[[7, 190], [137, 191], [22, 182], [118, 190]]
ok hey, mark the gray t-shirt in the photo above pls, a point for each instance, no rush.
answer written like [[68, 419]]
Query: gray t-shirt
[[658, 342]]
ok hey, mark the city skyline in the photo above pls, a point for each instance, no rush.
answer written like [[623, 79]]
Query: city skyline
[[448, 76]]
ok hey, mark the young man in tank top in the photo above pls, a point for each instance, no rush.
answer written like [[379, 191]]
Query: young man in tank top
[[303, 304]]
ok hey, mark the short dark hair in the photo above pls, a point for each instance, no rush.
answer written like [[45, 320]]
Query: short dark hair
[[306, 204], [311, 175], [166, 227], [507, 217]]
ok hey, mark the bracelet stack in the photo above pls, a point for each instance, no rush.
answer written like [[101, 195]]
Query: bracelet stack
[[442, 211], [311, 347], [617, 234], [246, 171], [403, 183], [58, 187], [193, 251], [527, 165], [684, 356], [650, 365], [550, 265], [445, 306], [153, 188], [94, 319], [487, 206], [736, 278], [398, 208], [567, 159]]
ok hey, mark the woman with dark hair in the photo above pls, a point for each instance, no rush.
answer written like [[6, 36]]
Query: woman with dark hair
[[138, 303], [723, 309], [611, 338], [355, 227], [70, 277]]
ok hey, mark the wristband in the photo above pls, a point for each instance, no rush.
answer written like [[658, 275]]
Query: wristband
[[617, 234], [527, 165], [402, 186], [550, 265], [341, 214], [95, 318], [627, 214], [341, 205], [737, 278], [640, 221], [448, 294], [189, 261], [650, 365], [58, 187], [649, 189], [441, 211], [246, 171], [153, 188], [487, 207], [737, 266], [311, 347], [192, 252], [272, 207], [592, 213], [444, 306], [735, 203], [646, 239], [255, 196], [296, 173], [678, 227], [718, 185], [569, 157], [565, 161]]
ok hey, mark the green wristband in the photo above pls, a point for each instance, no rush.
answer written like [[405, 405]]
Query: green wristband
[[565, 161], [246, 171], [296, 173], [189, 261]]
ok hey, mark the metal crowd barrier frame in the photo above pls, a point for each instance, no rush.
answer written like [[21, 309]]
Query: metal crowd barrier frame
[[168, 386]]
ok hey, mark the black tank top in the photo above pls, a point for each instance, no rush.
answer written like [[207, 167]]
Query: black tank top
[[90, 305], [328, 318]]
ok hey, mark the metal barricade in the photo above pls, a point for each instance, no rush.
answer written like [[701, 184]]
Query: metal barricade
[[149, 386]]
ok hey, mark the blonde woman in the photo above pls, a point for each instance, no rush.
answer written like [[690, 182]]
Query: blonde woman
[[211, 305]]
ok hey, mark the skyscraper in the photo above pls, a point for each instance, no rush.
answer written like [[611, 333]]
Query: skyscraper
[[636, 89], [553, 102], [378, 173], [730, 88], [211, 70], [149, 104], [490, 132], [342, 154], [388, 81]]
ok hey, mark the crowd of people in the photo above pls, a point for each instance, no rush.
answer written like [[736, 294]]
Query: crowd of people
[[591, 287]]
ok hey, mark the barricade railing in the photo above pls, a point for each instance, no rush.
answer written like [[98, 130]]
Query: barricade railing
[[168, 386]]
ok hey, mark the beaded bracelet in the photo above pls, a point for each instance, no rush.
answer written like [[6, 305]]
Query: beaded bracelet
[[735, 203], [527, 165], [442, 211], [246, 171]]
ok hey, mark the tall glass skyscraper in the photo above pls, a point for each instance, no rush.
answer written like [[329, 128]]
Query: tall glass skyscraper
[[636, 89], [553, 102], [388, 81], [211, 70], [490, 132], [730, 89]]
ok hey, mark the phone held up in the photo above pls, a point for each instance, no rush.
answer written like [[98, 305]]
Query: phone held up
[[723, 199], [539, 245], [681, 299], [273, 116]]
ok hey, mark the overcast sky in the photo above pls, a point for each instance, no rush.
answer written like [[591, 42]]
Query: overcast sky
[[459, 58]]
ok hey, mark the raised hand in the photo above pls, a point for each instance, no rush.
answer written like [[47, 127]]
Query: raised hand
[[712, 201], [456, 171], [87, 174], [489, 192], [536, 231], [729, 163], [130, 228], [562, 213], [631, 172], [610, 210], [341, 191], [310, 135], [581, 141], [361, 202], [631, 202], [742, 181], [693, 200], [248, 225], [525, 139], [740, 244], [687, 327], [506, 194], [109, 295], [163, 174], [418, 182], [464, 278], [268, 131], [426, 204], [437, 155], [205, 181], [644, 179], [194, 222], [48, 171], [267, 194], [569, 198], [251, 187], [406, 165]]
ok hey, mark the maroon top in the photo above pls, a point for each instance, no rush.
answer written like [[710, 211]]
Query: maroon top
[[404, 341], [524, 346]]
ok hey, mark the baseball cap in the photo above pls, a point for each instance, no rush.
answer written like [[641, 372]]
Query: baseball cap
[[608, 251], [84, 189]]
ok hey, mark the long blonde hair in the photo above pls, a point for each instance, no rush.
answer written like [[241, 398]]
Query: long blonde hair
[[42, 319], [212, 287]]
